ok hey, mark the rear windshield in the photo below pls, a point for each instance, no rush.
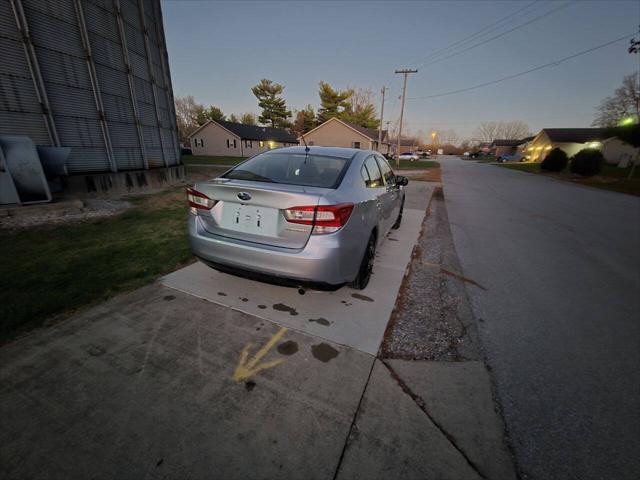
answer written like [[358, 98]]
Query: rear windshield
[[292, 169]]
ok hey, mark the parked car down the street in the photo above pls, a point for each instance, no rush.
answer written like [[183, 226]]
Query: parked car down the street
[[292, 216], [514, 157], [412, 156]]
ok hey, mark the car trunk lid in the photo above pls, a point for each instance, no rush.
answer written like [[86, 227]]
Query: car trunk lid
[[254, 211]]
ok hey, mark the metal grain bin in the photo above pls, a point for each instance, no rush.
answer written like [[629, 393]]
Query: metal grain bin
[[92, 75]]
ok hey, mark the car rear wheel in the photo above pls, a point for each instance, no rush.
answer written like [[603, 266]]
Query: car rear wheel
[[366, 266]]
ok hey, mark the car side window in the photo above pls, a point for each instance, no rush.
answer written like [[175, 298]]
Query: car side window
[[387, 173], [375, 177], [365, 175]]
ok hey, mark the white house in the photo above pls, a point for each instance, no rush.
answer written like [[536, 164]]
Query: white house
[[237, 140], [569, 140]]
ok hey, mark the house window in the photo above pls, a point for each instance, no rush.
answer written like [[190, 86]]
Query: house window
[[234, 143], [356, 144], [261, 144], [201, 142], [248, 143], [228, 143]]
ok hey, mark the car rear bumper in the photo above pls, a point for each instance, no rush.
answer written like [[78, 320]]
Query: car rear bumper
[[324, 263]]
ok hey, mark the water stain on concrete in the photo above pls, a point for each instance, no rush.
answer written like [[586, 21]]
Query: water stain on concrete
[[281, 307], [346, 304], [324, 352], [321, 321], [250, 385], [222, 294], [168, 298], [262, 307], [364, 298], [287, 348], [392, 239], [244, 299]]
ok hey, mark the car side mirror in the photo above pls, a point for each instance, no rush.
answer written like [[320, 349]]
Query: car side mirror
[[401, 181]]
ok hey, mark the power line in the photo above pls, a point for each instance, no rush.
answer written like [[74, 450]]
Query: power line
[[535, 19], [525, 72], [480, 33]]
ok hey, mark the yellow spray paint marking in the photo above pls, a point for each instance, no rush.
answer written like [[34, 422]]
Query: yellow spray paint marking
[[248, 368]]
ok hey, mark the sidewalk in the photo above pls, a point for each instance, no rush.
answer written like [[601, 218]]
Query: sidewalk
[[162, 384]]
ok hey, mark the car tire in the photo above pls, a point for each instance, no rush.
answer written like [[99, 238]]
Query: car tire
[[396, 225], [366, 265]]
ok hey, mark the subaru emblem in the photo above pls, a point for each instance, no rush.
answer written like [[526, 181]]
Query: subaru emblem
[[244, 196]]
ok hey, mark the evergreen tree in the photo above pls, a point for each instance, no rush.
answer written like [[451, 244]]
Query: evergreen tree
[[305, 120], [333, 103], [365, 116], [274, 109], [211, 113]]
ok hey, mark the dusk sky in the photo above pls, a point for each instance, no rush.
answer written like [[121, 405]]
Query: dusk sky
[[219, 50]]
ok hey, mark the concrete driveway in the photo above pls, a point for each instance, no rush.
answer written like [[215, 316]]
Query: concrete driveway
[[163, 383], [559, 314]]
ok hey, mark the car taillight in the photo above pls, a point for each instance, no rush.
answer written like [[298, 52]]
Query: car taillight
[[198, 201], [323, 218]]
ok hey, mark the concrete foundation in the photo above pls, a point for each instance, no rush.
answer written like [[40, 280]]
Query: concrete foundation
[[109, 184]]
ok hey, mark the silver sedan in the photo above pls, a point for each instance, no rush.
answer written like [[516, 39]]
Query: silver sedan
[[299, 216]]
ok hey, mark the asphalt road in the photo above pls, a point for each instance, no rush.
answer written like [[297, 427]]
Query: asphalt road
[[560, 316]]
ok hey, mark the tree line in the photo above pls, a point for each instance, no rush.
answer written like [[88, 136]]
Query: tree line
[[353, 105]]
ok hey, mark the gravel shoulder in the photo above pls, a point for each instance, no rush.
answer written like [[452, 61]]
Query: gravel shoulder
[[432, 319]]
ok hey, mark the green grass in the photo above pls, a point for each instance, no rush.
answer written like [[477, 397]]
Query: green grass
[[53, 270], [610, 178], [210, 160], [522, 167]]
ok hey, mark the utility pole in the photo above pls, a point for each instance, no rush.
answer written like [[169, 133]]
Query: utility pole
[[384, 89], [405, 72]]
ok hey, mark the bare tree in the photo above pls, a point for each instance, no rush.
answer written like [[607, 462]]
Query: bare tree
[[447, 137], [188, 111], [487, 131], [514, 130], [248, 119], [624, 103], [511, 130]]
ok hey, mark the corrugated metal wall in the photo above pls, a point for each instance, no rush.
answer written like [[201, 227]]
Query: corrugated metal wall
[[92, 75]]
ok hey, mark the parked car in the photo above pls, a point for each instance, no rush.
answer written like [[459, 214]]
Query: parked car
[[409, 156], [514, 157], [475, 154], [299, 218]]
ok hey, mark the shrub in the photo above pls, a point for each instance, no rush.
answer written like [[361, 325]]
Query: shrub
[[587, 162], [556, 161]]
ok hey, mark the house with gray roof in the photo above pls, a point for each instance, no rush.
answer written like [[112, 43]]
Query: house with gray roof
[[569, 140], [340, 133], [222, 138]]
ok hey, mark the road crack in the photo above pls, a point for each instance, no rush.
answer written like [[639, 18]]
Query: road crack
[[422, 406]]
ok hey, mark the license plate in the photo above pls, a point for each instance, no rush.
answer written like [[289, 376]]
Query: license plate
[[250, 219]]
